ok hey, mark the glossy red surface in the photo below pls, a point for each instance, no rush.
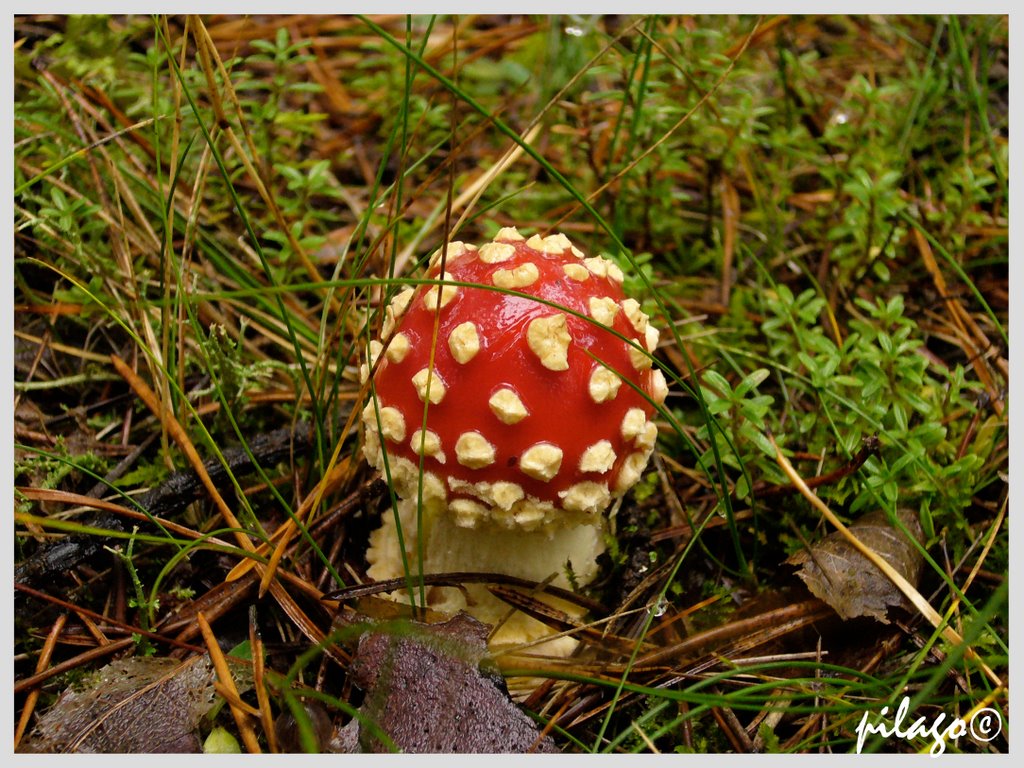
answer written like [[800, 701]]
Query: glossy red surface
[[561, 410]]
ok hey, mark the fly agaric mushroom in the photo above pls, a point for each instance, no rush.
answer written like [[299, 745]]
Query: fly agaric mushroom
[[518, 426]]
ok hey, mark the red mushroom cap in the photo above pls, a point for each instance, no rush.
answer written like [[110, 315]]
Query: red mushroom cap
[[528, 420]]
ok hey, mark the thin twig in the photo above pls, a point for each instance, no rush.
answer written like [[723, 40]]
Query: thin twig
[[224, 676], [259, 681], [41, 664]]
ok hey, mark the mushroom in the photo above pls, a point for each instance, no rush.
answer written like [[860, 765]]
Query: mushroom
[[515, 430]]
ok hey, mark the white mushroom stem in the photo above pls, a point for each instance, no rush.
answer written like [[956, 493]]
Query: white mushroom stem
[[488, 548]]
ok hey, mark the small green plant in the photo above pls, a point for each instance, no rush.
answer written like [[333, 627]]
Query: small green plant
[[740, 414], [146, 607]]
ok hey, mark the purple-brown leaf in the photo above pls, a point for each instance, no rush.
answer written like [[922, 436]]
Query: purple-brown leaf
[[425, 690]]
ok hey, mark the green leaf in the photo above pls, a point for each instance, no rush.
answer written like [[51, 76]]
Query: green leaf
[[885, 342], [718, 382], [752, 380]]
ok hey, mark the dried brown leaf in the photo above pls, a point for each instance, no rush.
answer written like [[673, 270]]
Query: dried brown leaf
[[136, 705], [834, 571]]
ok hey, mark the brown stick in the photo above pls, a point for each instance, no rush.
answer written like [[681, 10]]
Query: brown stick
[[868, 448], [41, 664], [230, 692]]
